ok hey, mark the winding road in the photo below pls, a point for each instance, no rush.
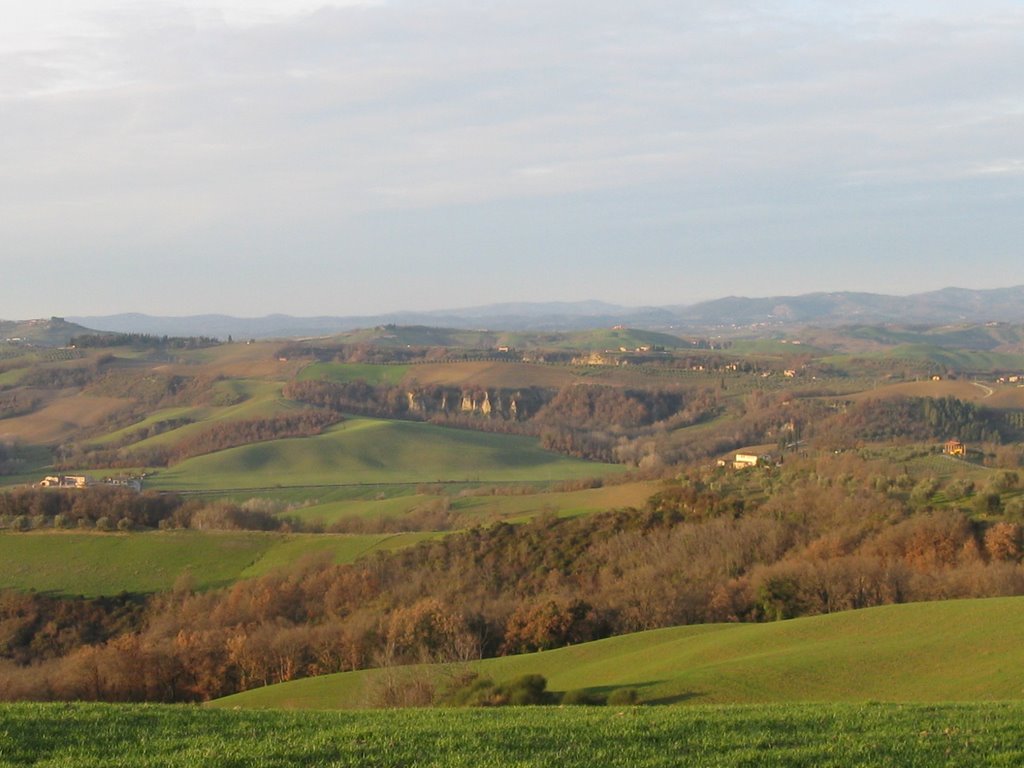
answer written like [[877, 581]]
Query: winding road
[[988, 390]]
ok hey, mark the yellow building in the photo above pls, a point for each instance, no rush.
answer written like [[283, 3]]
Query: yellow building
[[954, 448]]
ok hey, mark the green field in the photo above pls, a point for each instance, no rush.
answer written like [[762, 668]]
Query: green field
[[610, 338], [377, 451], [91, 564], [483, 506], [135, 736], [962, 650], [346, 372], [954, 359], [339, 548]]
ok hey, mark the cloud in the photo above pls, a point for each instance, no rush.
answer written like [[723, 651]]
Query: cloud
[[152, 127]]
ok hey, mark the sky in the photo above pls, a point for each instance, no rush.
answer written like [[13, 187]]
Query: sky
[[345, 157]]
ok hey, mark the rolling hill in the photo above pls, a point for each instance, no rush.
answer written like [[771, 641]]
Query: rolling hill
[[961, 650], [377, 451]]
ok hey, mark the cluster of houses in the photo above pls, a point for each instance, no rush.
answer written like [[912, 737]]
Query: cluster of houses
[[84, 481], [65, 481]]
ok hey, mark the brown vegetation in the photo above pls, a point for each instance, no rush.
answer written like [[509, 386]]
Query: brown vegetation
[[815, 536]]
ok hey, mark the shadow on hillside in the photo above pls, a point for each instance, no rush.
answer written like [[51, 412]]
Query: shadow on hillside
[[675, 699], [640, 688]]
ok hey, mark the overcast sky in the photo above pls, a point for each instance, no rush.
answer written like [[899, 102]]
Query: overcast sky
[[255, 156]]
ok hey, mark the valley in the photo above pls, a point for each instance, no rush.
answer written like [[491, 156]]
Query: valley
[[389, 518]]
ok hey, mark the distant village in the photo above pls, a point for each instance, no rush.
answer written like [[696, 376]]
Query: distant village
[[84, 481]]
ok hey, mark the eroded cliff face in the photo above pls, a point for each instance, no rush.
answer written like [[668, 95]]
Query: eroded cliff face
[[506, 404], [424, 402]]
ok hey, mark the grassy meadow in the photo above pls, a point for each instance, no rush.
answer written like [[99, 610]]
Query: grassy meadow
[[959, 650], [346, 372], [145, 736], [362, 450], [94, 564], [478, 504]]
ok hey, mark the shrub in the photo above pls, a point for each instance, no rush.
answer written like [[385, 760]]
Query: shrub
[[484, 692], [528, 689], [583, 697], [623, 697], [473, 691]]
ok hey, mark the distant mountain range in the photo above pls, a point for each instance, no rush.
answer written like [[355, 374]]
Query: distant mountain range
[[949, 305]]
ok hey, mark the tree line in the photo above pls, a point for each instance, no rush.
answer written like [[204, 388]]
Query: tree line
[[107, 507], [909, 419], [142, 340]]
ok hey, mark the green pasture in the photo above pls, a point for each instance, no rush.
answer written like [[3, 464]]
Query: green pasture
[[418, 336], [377, 451], [919, 463], [146, 736], [338, 548], [296, 498], [262, 399], [955, 359], [256, 399], [959, 650], [772, 347], [614, 338], [92, 563], [363, 509], [12, 377], [597, 339], [194, 413], [343, 373], [481, 504]]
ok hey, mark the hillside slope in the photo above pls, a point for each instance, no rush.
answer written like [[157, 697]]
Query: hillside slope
[[377, 451], [961, 650]]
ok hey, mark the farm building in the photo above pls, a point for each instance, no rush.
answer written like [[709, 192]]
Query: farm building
[[954, 447], [744, 460]]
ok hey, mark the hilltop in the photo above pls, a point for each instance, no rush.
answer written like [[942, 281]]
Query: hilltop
[[52, 332]]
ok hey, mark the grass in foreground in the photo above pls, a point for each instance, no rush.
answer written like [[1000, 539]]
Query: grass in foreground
[[637, 737]]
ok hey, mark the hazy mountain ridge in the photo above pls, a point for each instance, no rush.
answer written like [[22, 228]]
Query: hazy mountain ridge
[[949, 305]]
